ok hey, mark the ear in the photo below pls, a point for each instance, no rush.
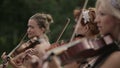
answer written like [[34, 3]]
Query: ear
[[86, 28], [43, 30]]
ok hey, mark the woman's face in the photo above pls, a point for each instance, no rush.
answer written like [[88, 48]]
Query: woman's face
[[105, 22], [33, 29]]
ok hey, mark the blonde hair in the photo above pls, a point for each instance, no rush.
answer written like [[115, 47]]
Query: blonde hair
[[43, 20], [111, 6]]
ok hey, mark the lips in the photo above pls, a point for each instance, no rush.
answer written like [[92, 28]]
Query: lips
[[29, 33], [99, 27]]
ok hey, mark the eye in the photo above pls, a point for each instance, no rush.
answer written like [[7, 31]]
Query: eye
[[102, 14], [29, 26]]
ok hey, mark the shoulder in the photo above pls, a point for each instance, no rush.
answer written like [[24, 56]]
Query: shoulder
[[113, 61], [44, 44], [115, 56]]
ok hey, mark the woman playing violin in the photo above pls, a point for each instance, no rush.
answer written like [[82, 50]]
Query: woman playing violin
[[38, 26], [87, 29], [108, 22]]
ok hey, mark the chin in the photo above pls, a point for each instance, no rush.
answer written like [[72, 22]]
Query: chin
[[30, 36], [103, 33]]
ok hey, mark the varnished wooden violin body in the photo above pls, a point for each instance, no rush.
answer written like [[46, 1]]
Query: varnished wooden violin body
[[86, 48]]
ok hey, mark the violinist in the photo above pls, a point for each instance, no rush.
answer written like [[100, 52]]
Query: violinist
[[108, 22], [38, 26], [87, 29]]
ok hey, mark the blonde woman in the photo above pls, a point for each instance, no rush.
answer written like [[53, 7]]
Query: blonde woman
[[38, 26], [108, 22]]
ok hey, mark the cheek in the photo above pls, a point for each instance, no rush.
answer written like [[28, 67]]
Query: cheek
[[108, 25], [105, 23], [79, 28], [33, 32], [30, 30], [37, 32]]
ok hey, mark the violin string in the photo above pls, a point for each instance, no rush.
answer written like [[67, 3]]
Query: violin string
[[79, 20]]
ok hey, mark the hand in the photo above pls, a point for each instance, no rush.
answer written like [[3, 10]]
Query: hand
[[5, 59], [32, 52], [4, 56]]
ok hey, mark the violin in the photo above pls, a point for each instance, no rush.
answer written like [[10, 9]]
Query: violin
[[27, 45], [85, 48], [55, 45]]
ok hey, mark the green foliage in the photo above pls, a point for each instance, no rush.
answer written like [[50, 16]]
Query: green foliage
[[15, 13]]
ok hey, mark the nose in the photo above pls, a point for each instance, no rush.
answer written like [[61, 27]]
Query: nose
[[96, 19], [28, 30]]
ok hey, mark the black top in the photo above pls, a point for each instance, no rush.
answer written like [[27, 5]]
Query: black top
[[105, 53]]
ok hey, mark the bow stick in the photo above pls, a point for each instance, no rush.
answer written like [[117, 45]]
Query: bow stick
[[79, 20], [68, 21], [9, 55]]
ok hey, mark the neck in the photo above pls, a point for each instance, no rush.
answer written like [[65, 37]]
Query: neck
[[116, 34]]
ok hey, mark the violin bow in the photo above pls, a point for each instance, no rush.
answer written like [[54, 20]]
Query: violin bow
[[9, 55], [79, 20], [68, 21], [17, 45]]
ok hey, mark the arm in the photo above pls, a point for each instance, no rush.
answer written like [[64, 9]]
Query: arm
[[16, 62], [10, 61], [113, 61]]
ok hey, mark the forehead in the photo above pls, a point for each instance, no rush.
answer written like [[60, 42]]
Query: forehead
[[102, 9], [104, 6], [32, 22]]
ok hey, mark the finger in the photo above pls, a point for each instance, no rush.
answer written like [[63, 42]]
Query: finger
[[28, 51], [3, 55]]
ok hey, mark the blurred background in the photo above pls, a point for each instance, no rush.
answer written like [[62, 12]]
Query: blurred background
[[14, 15]]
